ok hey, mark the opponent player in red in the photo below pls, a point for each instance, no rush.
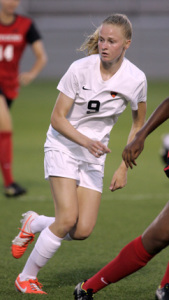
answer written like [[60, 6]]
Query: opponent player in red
[[141, 250], [16, 32]]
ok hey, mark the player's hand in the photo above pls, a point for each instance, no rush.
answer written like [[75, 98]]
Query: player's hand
[[132, 151], [119, 179], [26, 78], [97, 148]]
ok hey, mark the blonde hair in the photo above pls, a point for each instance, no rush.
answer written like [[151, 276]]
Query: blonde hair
[[91, 42]]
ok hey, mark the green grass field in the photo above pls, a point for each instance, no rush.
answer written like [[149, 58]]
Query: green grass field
[[123, 214]]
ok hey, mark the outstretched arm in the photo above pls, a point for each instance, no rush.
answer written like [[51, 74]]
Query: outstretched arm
[[133, 150]]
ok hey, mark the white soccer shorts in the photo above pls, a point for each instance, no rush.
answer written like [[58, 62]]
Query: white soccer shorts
[[60, 164]]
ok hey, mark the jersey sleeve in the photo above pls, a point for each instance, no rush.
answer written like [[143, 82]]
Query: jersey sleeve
[[68, 84], [139, 95], [33, 34]]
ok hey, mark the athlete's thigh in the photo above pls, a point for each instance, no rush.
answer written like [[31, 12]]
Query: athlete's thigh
[[88, 203], [5, 117], [64, 192], [89, 196]]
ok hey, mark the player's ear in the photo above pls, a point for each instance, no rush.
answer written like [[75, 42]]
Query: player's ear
[[127, 44]]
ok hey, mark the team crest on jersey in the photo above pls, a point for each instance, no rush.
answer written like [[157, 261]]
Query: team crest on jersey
[[113, 94]]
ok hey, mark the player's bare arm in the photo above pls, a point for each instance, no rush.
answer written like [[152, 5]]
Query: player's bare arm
[[40, 61], [63, 126], [119, 179]]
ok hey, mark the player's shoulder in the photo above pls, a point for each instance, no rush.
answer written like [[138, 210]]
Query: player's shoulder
[[133, 71], [85, 62], [22, 19]]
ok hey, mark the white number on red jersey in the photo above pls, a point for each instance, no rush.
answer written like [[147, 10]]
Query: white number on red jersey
[[6, 53]]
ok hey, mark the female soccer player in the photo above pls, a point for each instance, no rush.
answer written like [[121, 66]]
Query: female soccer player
[[15, 33], [93, 93], [141, 250]]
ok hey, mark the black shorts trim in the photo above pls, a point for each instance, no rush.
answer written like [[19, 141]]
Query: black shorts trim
[[8, 100]]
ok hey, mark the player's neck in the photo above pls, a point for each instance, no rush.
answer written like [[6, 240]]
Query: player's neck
[[107, 70], [6, 19]]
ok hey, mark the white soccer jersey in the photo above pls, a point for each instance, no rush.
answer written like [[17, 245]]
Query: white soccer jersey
[[97, 103]]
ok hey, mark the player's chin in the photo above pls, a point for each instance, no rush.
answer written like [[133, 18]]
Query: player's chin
[[106, 60], [105, 57]]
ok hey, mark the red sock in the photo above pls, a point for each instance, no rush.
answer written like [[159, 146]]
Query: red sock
[[130, 259], [6, 157], [166, 277]]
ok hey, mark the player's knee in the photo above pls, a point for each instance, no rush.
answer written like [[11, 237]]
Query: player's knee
[[69, 222], [161, 240], [84, 231]]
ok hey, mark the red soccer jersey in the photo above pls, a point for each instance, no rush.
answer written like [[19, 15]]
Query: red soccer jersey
[[13, 39]]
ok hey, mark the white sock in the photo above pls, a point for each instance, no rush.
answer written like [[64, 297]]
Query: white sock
[[32, 266], [46, 246], [40, 223]]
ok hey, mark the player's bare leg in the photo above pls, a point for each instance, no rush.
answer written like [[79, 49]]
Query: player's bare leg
[[64, 194], [6, 151], [76, 208], [88, 203], [156, 236], [5, 117]]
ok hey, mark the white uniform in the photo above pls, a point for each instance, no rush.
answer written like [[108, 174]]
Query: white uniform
[[97, 103]]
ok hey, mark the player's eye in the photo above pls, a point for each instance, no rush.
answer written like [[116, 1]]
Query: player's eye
[[101, 39]]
